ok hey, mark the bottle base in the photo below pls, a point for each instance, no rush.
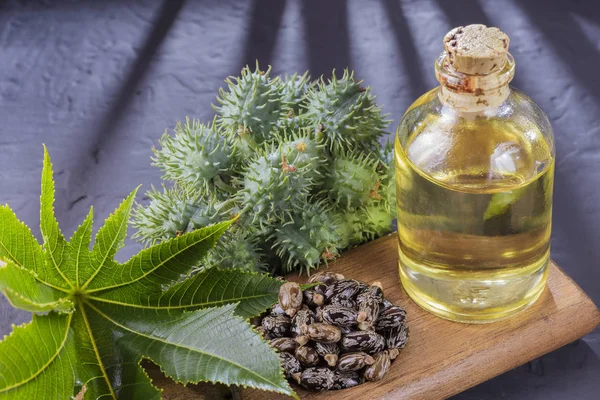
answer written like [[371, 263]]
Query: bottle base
[[473, 297]]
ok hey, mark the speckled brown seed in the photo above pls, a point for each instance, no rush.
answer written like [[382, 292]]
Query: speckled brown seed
[[338, 315], [290, 364], [380, 367], [307, 356], [397, 337], [329, 352], [284, 344], [361, 341], [345, 380], [290, 298], [354, 361], [326, 277], [312, 298], [345, 289], [317, 379], [277, 326], [321, 332], [390, 317], [302, 318]]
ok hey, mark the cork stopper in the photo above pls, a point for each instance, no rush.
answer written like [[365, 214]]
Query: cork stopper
[[476, 49]]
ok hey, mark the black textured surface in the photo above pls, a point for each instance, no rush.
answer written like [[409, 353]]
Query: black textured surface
[[99, 81]]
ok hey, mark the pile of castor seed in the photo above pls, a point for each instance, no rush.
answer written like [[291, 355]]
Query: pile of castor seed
[[335, 335]]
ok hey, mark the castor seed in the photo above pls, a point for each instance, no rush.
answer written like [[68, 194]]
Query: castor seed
[[302, 339], [345, 289], [380, 345], [354, 361], [290, 298], [277, 326], [345, 380], [379, 368], [305, 316], [290, 364], [390, 317], [307, 356], [322, 332], [343, 302], [374, 290], [329, 352], [368, 311], [276, 310], [317, 379], [312, 298], [338, 315], [284, 344], [361, 341], [396, 337], [326, 277]]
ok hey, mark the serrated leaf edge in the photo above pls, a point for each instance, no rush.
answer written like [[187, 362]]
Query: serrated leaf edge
[[232, 306], [42, 368], [219, 231]]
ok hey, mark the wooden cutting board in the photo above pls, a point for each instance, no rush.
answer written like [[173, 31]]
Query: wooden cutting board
[[443, 358]]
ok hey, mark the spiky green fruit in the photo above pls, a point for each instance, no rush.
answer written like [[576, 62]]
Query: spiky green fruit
[[272, 188], [388, 183], [197, 156], [170, 213], [291, 123], [376, 220], [307, 238], [345, 114], [250, 106], [349, 226], [353, 180], [236, 250], [293, 90], [303, 152]]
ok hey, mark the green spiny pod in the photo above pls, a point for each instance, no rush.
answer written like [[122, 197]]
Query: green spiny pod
[[272, 189], [377, 220], [197, 156], [291, 122], [349, 226], [250, 106], [306, 238], [353, 180], [345, 114], [236, 249], [293, 90], [169, 214], [388, 184], [302, 152]]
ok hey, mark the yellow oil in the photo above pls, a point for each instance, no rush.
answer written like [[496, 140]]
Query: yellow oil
[[474, 199]]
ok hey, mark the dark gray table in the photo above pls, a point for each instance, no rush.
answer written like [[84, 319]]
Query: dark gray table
[[99, 81]]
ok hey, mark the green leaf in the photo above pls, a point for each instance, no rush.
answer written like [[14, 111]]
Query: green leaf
[[209, 288], [54, 241], [110, 237], [18, 245], [161, 264], [78, 249], [101, 318], [205, 345], [33, 360], [25, 292]]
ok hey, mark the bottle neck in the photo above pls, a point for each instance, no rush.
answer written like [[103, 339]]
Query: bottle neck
[[473, 93]]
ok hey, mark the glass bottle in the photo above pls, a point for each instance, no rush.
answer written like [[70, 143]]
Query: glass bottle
[[474, 168]]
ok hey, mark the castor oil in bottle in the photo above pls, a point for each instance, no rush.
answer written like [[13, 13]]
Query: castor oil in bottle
[[474, 163]]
